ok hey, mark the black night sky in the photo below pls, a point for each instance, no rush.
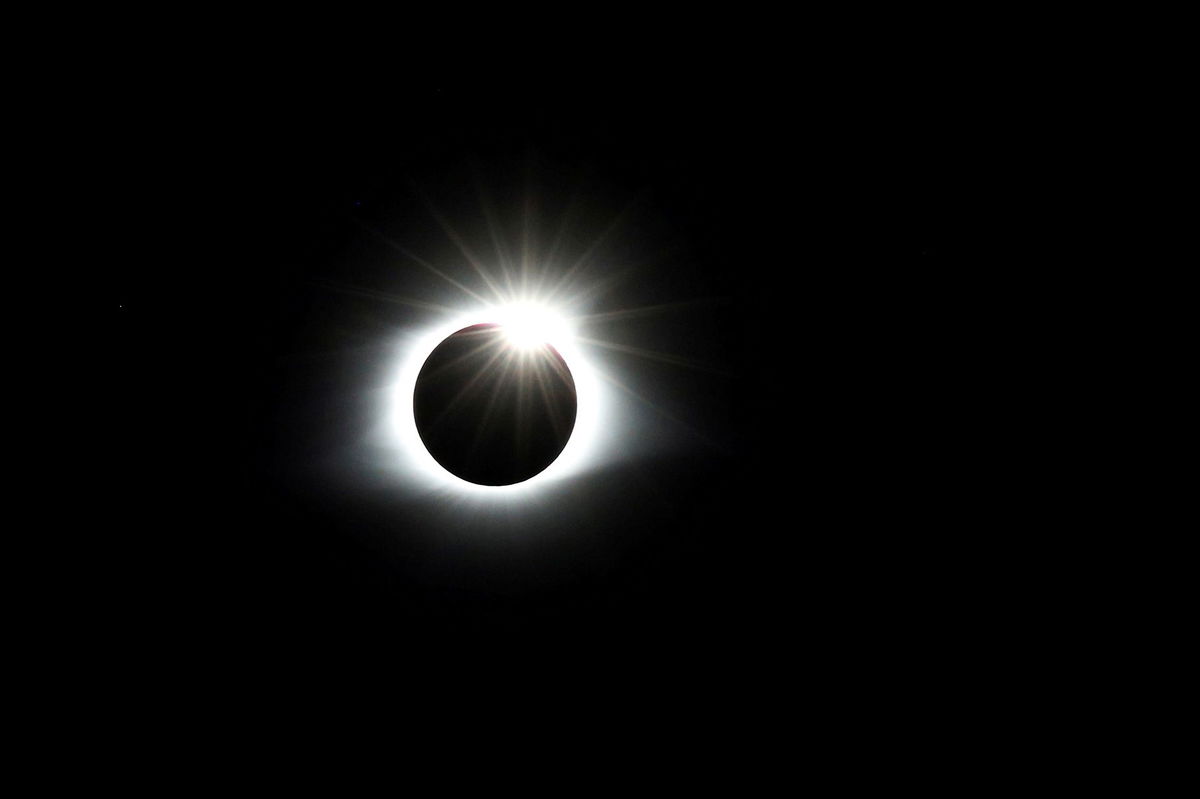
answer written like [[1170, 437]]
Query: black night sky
[[800, 249]]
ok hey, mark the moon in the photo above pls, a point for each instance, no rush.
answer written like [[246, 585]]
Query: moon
[[494, 405]]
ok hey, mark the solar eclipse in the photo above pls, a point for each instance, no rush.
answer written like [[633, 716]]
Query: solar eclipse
[[499, 401], [495, 404]]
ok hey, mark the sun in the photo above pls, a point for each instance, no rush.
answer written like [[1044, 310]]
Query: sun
[[527, 325]]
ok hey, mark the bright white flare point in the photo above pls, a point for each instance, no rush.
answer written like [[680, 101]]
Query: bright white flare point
[[530, 326]]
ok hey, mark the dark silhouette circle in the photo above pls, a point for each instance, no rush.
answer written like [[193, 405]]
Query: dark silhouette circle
[[490, 412]]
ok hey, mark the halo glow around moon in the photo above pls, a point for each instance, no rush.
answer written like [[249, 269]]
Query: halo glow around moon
[[526, 324]]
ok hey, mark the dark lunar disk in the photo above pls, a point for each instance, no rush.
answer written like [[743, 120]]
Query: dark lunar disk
[[492, 413]]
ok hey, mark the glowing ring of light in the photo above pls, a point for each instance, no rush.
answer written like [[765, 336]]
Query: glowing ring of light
[[551, 328]]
